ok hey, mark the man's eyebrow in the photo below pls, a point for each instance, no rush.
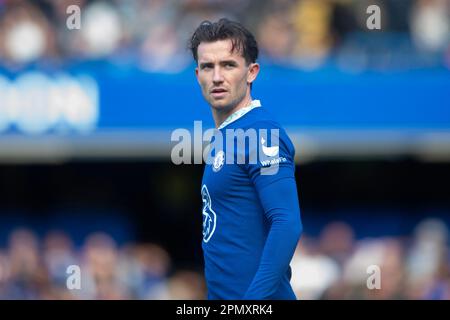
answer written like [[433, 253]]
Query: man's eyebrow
[[233, 62], [222, 62], [205, 64]]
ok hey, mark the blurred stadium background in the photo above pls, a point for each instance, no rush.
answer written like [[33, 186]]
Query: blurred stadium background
[[86, 116]]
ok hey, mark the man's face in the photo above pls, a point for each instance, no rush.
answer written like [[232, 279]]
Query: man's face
[[223, 75]]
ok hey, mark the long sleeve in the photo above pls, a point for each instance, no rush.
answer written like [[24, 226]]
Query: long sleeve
[[280, 203], [279, 199]]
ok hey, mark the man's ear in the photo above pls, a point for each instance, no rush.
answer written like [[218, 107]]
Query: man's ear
[[196, 73], [252, 73]]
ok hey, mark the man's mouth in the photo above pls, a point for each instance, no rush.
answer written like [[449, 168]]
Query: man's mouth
[[218, 92]]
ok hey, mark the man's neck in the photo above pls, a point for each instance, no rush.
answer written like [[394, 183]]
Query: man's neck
[[220, 117]]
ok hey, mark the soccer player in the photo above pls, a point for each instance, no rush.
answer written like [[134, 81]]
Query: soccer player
[[251, 217]]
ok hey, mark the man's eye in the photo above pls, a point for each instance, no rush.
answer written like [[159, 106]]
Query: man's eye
[[229, 65]]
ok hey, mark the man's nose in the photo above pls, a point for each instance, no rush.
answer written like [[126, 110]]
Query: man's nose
[[217, 76]]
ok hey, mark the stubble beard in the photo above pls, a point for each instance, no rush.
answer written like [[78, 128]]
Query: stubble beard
[[226, 108]]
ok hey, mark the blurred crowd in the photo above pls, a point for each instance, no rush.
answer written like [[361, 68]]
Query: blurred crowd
[[337, 266], [333, 265], [153, 34], [54, 268]]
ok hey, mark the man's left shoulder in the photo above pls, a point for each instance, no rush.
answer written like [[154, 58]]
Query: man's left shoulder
[[261, 118], [270, 133]]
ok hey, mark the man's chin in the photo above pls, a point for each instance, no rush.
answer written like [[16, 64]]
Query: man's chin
[[220, 104]]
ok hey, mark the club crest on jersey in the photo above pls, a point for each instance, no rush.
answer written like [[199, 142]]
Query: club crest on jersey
[[219, 161], [209, 216]]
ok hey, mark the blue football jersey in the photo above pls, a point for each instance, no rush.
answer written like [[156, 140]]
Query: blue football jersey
[[251, 214]]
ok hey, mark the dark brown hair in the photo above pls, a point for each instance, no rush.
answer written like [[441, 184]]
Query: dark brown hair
[[242, 40]]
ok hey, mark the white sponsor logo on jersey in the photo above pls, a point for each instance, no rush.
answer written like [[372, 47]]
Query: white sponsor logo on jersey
[[209, 216], [269, 151]]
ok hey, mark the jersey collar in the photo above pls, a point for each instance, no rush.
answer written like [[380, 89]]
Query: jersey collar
[[240, 113]]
